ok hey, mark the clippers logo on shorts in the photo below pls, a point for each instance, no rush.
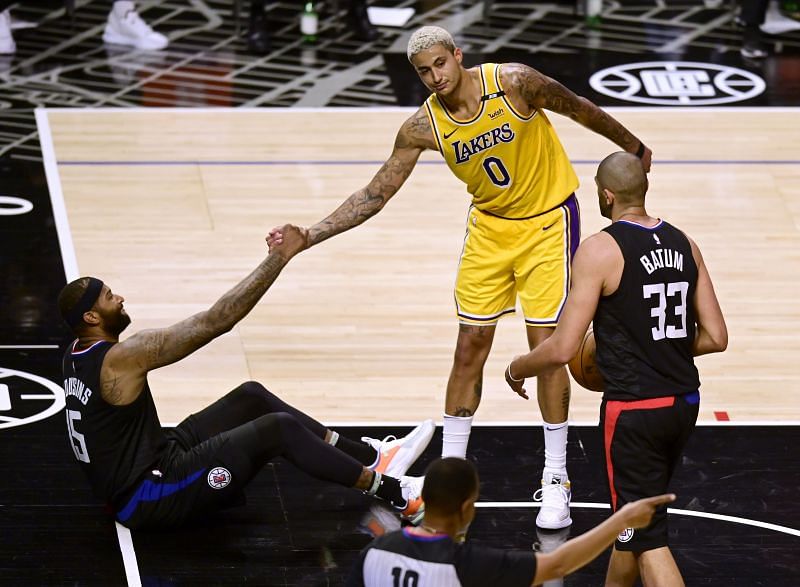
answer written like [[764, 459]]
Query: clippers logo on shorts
[[625, 535], [677, 83], [219, 478]]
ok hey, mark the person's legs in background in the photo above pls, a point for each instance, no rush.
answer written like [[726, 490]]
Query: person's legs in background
[[126, 27], [259, 41], [7, 44], [752, 17]]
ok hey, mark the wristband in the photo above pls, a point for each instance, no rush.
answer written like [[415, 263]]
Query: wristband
[[640, 150], [511, 377]]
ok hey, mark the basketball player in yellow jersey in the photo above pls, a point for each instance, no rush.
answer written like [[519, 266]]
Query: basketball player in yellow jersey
[[522, 229]]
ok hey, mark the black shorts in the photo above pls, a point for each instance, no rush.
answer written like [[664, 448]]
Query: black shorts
[[643, 441], [204, 469]]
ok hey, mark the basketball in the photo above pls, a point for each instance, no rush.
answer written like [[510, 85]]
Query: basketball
[[583, 368]]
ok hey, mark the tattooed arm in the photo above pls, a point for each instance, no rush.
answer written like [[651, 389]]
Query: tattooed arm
[[413, 137], [534, 90], [126, 365]]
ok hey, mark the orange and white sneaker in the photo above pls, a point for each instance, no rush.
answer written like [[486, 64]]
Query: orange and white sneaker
[[411, 487], [396, 455]]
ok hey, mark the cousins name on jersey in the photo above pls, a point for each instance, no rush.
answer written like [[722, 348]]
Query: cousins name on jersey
[[465, 150], [660, 258], [75, 387]]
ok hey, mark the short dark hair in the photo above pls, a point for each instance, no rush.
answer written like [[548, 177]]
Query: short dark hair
[[69, 297], [449, 482]]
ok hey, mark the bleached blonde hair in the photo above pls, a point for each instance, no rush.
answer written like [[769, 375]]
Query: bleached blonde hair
[[428, 36]]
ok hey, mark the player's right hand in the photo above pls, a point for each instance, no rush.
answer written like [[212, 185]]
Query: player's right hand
[[275, 237], [638, 514], [291, 241]]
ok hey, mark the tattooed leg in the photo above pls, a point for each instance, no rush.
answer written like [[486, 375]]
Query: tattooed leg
[[466, 377], [553, 389]]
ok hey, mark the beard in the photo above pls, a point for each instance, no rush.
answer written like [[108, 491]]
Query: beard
[[117, 322]]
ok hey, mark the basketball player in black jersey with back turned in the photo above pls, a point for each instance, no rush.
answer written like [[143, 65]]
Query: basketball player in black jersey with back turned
[[646, 286], [152, 478]]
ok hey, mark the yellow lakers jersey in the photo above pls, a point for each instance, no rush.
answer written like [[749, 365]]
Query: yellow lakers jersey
[[514, 166]]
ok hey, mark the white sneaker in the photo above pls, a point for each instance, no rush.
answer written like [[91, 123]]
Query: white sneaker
[[7, 44], [396, 455], [555, 495], [411, 487], [126, 27]]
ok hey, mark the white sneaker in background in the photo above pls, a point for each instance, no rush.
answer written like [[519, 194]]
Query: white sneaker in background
[[7, 44], [126, 27]]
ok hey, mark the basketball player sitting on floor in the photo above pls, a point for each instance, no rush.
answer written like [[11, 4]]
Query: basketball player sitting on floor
[[155, 479]]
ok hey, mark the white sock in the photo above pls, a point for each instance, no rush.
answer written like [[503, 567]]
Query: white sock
[[555, 448], [334, 438], [455, 436], [376, 483]]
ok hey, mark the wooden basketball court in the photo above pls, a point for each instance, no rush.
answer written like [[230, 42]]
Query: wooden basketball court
[[171, 207]]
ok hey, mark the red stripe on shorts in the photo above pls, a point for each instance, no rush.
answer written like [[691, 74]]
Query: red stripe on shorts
[[613, 410]]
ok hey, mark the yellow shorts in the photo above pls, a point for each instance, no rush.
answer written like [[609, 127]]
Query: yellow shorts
[[530, 257]]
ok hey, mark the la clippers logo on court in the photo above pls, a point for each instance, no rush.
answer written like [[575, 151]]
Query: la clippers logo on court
[[677, 83], [26, 398], [219, 477], [13, 206], [625, 535]]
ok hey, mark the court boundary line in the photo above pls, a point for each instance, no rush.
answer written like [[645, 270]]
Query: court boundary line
[[277, 162], [530, 424], [68, 258], [674, 511], [129, 561], [70, 264], [399, 109], [28, 346]]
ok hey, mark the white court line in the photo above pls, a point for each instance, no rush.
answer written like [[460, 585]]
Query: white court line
[[675, 511], [28, 346], [128, 556], [536, 504], [530, 423], [380, 109], [56, 195], [71, 272]]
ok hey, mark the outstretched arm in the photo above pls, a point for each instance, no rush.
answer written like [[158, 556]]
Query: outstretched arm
[[413, 137], [537, 90], [581, 550], [127, 363]]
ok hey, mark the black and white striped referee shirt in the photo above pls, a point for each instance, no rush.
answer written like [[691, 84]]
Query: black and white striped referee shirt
[[405, 559]]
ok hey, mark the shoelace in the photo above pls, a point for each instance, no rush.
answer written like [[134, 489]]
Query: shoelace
[[375, 443], [414, 489], [543, 495]]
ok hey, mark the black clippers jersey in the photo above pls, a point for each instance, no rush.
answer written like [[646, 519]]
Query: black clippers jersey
[[115, 445], [645, 330]]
